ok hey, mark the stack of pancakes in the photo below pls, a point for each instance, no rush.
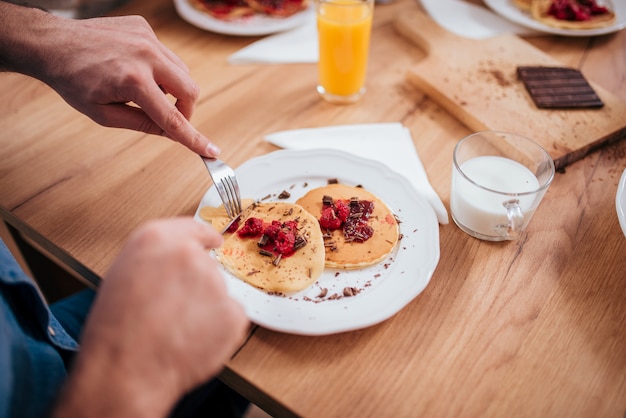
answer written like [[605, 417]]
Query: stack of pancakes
[[241, 256]]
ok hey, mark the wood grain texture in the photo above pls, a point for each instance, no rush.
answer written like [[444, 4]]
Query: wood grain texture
[[530, 328], [476, 80]]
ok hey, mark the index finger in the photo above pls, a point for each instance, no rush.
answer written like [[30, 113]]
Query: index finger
[[173, 123]]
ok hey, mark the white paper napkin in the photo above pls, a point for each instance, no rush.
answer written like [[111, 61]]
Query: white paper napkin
[[297, 45], [469, 20], [389, 143]]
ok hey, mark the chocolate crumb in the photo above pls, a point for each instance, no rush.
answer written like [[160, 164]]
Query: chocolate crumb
[[284, 195], [500, 78], [350, 291]]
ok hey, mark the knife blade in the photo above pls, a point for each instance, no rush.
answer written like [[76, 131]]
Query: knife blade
[[246, 211]]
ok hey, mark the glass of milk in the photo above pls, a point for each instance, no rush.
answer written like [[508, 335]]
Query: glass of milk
[[498, 180]]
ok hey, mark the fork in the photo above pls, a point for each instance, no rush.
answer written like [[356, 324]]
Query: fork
[[226, 184]]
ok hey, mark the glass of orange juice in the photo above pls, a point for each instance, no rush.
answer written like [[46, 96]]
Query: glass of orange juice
[[344, 28]]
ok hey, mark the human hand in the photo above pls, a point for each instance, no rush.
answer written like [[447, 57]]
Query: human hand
[[117, 72], [161, 325]]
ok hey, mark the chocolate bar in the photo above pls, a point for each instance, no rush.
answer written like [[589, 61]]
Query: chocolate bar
[[558, 88]]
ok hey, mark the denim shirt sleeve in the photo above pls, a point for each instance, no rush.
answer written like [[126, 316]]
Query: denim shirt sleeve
[[33, 345]]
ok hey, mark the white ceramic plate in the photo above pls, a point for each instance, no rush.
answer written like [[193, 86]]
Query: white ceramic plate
[[255, 25], [620, 202], [384, 288], [507, 9]]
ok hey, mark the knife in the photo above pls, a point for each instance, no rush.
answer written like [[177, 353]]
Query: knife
[[241, 214]]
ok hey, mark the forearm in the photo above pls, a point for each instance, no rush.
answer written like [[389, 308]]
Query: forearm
[[101, 385], [24, 32]]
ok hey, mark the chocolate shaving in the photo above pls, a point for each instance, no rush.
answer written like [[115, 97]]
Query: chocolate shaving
[[263, 240], [333, 181], [284, 195], [300, 242], [276, 261], [266, 253]]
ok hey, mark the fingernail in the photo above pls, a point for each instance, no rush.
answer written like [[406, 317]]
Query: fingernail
[[213, 149]]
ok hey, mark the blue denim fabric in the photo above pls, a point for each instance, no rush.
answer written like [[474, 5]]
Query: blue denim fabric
[[37, 344], [34, 347]]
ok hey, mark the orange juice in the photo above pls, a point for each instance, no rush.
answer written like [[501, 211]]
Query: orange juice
[[344, 28]]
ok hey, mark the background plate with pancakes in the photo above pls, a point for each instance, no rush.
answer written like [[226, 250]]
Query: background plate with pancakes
[[508, 9], [384, 289], [256, 25]]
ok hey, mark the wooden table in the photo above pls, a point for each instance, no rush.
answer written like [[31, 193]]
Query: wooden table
[[535, 327]]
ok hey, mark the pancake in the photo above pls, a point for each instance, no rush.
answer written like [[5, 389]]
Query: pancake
[[523, 4], [224, 9], [278, 8], [540, 10], [217, 216], [263, 267], [347, 253]]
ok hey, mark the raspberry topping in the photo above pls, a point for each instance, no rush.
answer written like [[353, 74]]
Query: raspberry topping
[[575, 10], [279, 238], [352, 216]]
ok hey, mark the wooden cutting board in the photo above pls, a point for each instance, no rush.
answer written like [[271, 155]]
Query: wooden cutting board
[[476, 81]]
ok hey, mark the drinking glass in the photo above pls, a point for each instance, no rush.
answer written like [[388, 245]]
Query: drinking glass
[[498, 180], [344, 28]]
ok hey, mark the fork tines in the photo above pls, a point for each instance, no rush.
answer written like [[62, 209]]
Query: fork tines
[[226, 184], [231, 189]]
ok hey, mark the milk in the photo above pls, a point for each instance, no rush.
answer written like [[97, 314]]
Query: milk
[[481, 210]]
